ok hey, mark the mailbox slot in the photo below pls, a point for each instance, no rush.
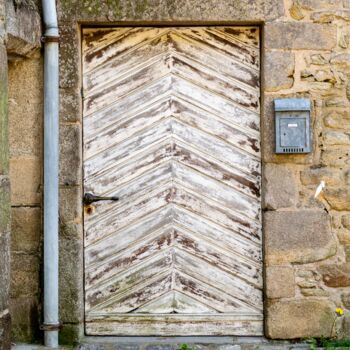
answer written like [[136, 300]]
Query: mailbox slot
[[292, 121]]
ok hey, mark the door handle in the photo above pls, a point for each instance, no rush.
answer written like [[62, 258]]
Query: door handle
[[90, 198]]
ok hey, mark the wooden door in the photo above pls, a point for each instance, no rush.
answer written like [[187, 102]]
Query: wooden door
[[171, 126]]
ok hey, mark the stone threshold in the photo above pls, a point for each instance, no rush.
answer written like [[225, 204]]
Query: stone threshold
[[165, 344]]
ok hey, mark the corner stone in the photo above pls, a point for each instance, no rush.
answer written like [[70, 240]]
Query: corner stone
[[298, 237], [280, 187], [306, 36], [299, 319], [279, 69], [280, 282]]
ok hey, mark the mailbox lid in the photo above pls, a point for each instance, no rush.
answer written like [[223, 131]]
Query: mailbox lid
[[292, 104]]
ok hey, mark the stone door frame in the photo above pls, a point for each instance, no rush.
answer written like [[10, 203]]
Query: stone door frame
[[264, 14], [71, 177]]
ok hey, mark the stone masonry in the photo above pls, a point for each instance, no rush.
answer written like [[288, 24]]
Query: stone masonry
[[307, 238], [305, 53], [20, 154], [5, 318]]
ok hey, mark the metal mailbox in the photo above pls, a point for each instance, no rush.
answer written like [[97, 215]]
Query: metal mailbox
[[293, 125]]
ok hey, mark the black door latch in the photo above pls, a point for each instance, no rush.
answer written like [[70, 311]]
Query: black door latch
[[90, 198]]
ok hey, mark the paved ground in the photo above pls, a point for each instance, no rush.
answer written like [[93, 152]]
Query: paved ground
[[154, 346]]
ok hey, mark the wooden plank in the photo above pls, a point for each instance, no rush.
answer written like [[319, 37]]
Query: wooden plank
[[175, 325]]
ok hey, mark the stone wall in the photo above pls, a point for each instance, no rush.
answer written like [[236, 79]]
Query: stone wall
[[24, 100], [5, 319], [306, 238], [305, 53], [25, 140]]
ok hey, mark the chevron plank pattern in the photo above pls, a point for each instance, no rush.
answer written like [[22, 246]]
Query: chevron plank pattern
[[172, 126]]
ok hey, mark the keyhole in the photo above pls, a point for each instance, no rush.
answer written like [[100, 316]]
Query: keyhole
[[89, 209]]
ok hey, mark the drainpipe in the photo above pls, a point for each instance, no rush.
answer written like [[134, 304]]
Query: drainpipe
[[51, 151]]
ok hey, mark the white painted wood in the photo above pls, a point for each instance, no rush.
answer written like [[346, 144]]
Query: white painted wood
[[171, 126]]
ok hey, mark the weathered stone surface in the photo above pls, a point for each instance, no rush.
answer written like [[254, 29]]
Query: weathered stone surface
[[72, 334], [25, 175], [344, 39], [5, 330], [26, 229], [295, 35], [343, 236], [296, 11], [319, 59], [5, 211], [279, 69], [159, 347], [3, 112], [341, 59], [280, 282], [24, 275], [345, 298], [4, 270], [299, 319], [345, 332], [25, 319], [84, 346], [335, 101], [71, 230], [314, 292], [314, 176], [70, 204], [109, 11], [336, 138], [26, 107], [71, 281], [280, 187], [5, 318], [70, 105], [23, 26], [345, 220], [307, 284], [298, 236], [336, 157], [327, 16], [126, 347], [338, 120], [347, 177], [339, 198], [227, 347], [317, 4], [69, 65], [347, 253], [70, 155], [336, 275], [324, 76]]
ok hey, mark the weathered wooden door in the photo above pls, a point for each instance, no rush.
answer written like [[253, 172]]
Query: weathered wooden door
[[171, 126]]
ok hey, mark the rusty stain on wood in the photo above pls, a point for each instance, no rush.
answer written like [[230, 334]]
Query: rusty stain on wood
[[172, 126]]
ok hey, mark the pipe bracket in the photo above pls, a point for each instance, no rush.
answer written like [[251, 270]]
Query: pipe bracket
[[50, 327], [50, 39]]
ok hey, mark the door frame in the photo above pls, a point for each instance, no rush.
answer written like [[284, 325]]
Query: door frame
[[71, 177]]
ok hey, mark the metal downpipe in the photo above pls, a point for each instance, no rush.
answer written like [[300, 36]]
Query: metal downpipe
[[51, 159]]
